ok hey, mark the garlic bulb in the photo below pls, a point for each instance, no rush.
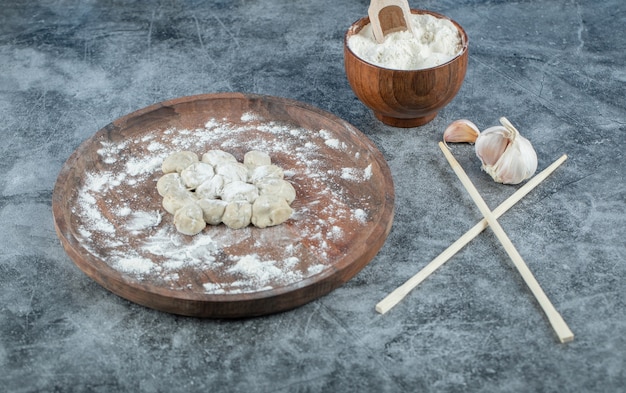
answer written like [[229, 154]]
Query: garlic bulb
[[461, 130], [506, 156]]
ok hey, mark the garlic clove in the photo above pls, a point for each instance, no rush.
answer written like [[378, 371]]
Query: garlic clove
[[506, 156], [491, 144], [516, 165], [461, 130], [527, 154]]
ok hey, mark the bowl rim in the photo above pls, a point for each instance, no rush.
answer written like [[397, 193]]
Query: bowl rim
[[366, 20]]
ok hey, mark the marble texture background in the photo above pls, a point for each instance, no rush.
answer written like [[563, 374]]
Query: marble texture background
[[555, 68]]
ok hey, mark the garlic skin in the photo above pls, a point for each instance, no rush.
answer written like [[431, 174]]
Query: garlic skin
[[506, 156], [461, 130]]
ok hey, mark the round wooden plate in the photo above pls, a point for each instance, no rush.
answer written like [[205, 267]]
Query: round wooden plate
[[109, 218]]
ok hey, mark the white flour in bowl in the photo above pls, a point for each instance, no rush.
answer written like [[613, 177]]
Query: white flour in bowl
[[434, 41]]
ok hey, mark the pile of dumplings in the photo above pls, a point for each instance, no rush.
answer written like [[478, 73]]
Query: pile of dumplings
[[218, 189]]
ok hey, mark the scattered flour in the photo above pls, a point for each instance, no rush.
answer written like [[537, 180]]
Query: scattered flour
[[360, 215], [109, 151], [134, 265], [249, 116], [213, 288], [336, 144], [434, 41], [129, 232], [258, 270], [356, 174], [138, 166], [141, 221], [124, 211], [155, 146]]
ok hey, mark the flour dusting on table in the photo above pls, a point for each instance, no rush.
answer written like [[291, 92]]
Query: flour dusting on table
[[128, 229]]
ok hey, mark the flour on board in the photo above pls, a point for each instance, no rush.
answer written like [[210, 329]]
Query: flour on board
[[130, 232]]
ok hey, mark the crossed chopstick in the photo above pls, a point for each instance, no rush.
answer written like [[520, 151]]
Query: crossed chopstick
[[490, 219]]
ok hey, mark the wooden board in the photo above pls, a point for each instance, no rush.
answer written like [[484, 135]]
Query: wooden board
[[109, 218]]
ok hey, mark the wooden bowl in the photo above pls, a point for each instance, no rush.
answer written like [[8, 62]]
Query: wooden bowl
[[405, 98]]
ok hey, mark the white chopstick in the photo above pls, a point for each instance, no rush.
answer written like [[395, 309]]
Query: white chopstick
[[399, 293], [557, 322]]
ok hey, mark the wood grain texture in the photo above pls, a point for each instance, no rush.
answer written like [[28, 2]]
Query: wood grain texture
[[405, 98], [341, 258]]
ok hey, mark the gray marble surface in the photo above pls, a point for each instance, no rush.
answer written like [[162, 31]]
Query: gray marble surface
[[555, 68]]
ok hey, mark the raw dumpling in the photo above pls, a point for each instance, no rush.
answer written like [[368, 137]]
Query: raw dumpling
[[255, 158], [173, 201], [237, 214], [178, 161], [189, 219], [211, 189], [212, 210], [269, 210], [219, 189], [196, 174], [240, 191], [170, 182], [232, 171], [215, 157], [279, 187], [266, 172]]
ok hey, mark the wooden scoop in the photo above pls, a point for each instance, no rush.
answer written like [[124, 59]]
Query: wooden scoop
[[389, 16]]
